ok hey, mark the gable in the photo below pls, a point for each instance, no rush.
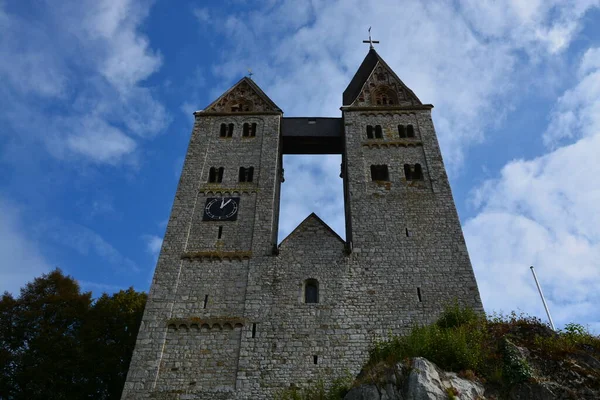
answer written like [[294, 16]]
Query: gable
[[245, 97], [312, 234], [376, 85]]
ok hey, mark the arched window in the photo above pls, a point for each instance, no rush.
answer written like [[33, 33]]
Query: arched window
[[402, 131], [215, 175], [410, 131], [369, 131], [253, 129], [230, 130], [418, 175], [246, 130], [246, 174], [223, 131], [378, 132], [311, 291], [408, 172]]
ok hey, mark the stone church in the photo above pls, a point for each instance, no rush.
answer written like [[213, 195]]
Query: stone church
[[232, 313]]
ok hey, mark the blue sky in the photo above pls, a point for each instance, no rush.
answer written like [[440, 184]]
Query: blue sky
[[95, 115]]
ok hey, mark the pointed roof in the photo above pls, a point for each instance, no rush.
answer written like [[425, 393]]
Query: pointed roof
[[311, 219], [244, 92], [364, 72]]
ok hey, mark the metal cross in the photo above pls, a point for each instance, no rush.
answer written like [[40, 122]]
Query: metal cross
[[250, 73], [370, 41]]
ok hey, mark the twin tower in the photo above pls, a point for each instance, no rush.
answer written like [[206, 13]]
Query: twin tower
[[232, 313]]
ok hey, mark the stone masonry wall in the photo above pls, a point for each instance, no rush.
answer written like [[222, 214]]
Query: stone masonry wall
[[227, 319], [194, 263]]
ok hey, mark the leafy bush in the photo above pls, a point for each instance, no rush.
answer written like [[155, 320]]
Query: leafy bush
[[336, 391], [458, 341], [478, 348]]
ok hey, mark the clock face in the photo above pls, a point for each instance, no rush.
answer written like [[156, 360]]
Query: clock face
[[221, 209]]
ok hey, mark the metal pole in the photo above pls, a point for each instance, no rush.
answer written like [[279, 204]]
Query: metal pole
[[543, 299]]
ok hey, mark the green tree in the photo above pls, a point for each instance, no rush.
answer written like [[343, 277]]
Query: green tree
[[56, 343], [40, 332], [108, 338]]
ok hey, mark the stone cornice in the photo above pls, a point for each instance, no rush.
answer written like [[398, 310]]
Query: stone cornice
[[388, 108]]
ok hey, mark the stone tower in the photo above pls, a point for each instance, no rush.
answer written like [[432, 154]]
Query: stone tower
[[231, 313]]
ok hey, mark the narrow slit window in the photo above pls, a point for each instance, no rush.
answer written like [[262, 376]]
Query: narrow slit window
[[408, 172], [223, 131], [220, 233], [315, 360], [254, 330], [213, 175], [311, 291], [253, 129], [378, 132], [220, 174], [410, 131], [230, 130], [369, 131], [379, 173], [205, 301], [419, 294], [246, 130], [246, 174], [407, 232], [402, 131], [418, 175]]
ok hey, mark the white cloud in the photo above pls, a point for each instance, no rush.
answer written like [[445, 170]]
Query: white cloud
[[577, 112], [85, 242], [202, 15], [464, 58], [543, 212], [529, 24], [153, 244], [75, 72], [22, 260], [315, 186]]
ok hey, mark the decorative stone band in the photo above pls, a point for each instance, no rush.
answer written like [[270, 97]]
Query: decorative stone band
[[388, 108], [195, 323], [217, 255], [218, 113], [238, 190], [391, 143]]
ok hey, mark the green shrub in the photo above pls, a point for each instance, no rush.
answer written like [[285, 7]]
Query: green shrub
[[456, 342], [338, 389], [515, 369], [454, 316]]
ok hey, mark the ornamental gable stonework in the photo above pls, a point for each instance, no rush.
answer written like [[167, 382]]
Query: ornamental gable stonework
[[232, 313]]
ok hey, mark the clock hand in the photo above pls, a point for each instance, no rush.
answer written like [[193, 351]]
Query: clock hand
[[227, 202], [222, 205]]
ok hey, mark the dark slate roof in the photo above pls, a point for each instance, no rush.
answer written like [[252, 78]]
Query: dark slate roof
[[360, 77], [317, 127], [312, 135]]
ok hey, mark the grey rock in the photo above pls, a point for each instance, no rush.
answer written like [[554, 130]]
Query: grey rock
[[424, 382]]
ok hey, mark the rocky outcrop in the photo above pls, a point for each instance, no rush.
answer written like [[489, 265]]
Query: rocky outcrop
[[418, 379], [530, 377]]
